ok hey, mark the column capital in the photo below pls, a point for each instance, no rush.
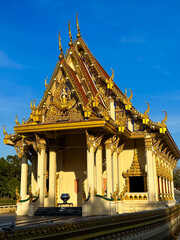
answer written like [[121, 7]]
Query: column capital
[[40, 143], [93, 141], [120, 148], [148, 142], [112, 143]]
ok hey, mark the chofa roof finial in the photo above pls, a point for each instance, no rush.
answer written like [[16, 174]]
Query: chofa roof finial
[[70, 35], [61, 56], [164, 121], [78, 28]]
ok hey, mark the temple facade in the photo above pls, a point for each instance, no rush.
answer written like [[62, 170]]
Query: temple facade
[[85, 138]]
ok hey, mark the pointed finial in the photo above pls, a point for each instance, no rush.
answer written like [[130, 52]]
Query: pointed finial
[[77, 24], [164, 121], [70, 35], [46, 85], [61, 56], [16, 121], [146, 113]]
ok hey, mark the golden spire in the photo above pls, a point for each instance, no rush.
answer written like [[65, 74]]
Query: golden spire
[[70, 35], [61, 56], [146, 113], [46, 85], [77, 24], [164, 121], [16, 121]]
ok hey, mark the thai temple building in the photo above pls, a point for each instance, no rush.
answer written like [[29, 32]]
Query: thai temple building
[[86, 138]]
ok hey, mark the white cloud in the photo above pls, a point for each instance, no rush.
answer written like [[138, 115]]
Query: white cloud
[[6, 62]]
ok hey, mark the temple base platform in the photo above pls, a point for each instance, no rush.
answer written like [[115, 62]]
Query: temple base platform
[[59, 211]]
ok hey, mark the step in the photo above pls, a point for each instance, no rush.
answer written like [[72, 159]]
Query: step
[[59, 211]]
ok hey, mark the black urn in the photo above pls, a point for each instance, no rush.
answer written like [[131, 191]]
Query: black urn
[[65, 197]]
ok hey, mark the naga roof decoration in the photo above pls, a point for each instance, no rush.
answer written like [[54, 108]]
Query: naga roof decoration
[[81, 90]]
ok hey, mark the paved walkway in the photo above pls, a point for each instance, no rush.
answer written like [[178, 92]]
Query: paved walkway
[[7, 220]]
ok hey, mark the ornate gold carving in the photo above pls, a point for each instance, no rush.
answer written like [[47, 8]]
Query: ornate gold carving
[[21, 148], [18, 197], [163, 124], [5, 135], [110, 81], [148, 143], [135, 169], [46, 85], [121, 120], [112, 143], [16, 121], [63, 105], [115, 195], [128, 100], [90, 140], [40, 143], [120, 148], [146, 114], [36, 113]]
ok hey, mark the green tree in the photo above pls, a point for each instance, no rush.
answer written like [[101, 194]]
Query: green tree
[[10, 175], [177, 177]]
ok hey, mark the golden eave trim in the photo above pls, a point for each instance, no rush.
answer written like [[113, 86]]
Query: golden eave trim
[[64, 126]]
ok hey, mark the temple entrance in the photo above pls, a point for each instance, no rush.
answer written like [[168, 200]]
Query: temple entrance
[[136, 184]]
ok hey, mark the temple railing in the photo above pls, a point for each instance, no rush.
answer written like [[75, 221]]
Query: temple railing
[[136, 196]]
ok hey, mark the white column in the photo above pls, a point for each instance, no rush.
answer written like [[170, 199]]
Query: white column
[[41, 172], [155, 178], [160, 186], [172, 186], [24, 173], [52, 178], [90, 169], [150, 169], [115, 171], [34, 174], [120, 170], [99, 170], [112, 109], [108, 147]]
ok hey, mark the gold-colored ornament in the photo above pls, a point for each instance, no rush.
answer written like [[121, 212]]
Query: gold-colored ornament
[[78, 28], [146, 114], [128, 101], [110, 81], [163, 127], [16, 121], [70, 34]]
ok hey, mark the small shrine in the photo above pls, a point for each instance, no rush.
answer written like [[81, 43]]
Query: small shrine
[[85, 139]]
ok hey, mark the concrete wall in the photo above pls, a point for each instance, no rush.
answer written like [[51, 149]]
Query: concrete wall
[[8, 209]]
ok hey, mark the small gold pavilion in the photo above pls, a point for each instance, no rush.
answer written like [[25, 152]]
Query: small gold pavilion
[[86, 138]]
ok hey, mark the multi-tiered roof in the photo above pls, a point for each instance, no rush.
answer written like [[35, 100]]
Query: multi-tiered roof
[[78, 96]]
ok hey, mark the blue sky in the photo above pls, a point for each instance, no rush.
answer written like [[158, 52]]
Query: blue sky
[[140, 40]]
